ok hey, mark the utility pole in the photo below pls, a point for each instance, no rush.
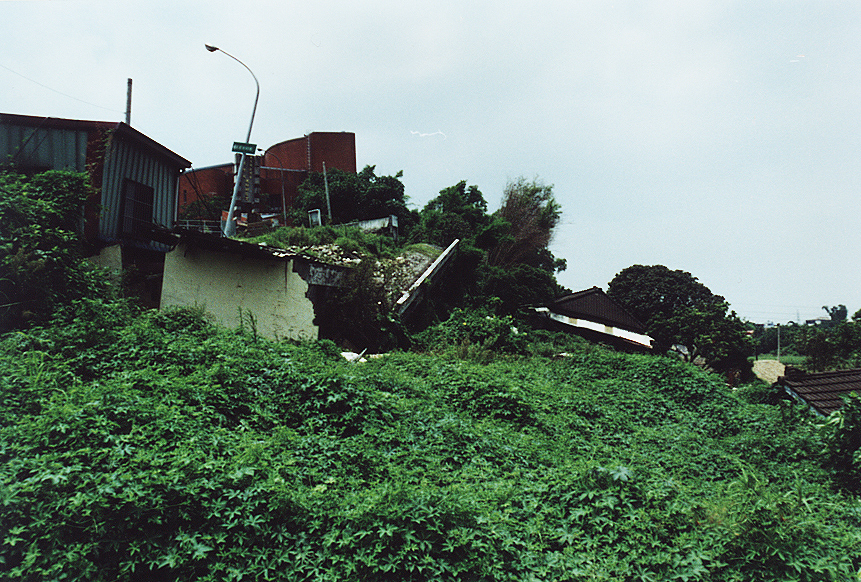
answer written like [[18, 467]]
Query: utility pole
[[778, 343], [129, 103], [326, 185]]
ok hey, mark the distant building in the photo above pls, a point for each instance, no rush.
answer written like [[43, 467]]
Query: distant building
[[135, 180], [593, 315], [280, 170], [822, 391]]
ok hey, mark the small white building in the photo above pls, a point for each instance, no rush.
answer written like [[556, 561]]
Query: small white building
[[235, 281]]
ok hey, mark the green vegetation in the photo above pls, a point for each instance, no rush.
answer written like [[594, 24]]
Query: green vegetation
[[678, 310], [789, 360], [41, 251], [351, 240], [359, 196], [830, 347], [157, 446], [503, 261]]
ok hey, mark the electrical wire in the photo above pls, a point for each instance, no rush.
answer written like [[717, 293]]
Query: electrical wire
[[58, 92]]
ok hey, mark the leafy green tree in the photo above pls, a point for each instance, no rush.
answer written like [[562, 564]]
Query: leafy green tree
[[41, 246], [503, 259], [360, 196], [532, 213], [837, 313], [831, 347], [679, 310], [459, 212]]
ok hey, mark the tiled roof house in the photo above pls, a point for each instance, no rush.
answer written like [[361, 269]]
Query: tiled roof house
[[822, 391]]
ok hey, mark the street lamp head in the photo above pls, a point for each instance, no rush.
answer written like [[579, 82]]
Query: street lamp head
[[211, 48]]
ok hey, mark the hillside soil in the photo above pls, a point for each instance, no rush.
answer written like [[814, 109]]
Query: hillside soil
[[768, 370]]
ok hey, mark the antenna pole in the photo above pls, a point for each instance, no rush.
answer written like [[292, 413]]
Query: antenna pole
[[326, 183], [129, 103]]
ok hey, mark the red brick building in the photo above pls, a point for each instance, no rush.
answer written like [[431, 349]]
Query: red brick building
[[282, 168]]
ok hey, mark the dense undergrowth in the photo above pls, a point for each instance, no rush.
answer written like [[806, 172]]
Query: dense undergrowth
[[157, 446]]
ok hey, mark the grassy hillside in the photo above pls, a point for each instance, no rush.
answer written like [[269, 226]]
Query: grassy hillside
[[156, 446]]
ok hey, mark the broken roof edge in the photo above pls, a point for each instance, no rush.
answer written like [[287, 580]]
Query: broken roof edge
[[597, 328], [408, 297], [223, 244], [633, 324]]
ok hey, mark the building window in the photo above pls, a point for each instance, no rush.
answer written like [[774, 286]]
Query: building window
[[137, 210]]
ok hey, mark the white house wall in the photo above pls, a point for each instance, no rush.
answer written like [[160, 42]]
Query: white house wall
[[224, 283]]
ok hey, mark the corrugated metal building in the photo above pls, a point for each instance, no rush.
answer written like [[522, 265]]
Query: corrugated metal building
[[134, 176], [135, 183]]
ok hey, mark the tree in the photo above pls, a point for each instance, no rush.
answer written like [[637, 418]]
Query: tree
[[837, 313], [532, 214], [678, 310], [459, 212], [360, 196], [41, 246], [503, 259], [832, 347]]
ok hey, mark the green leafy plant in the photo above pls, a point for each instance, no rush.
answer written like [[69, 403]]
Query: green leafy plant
[[156, 445], [41, 248]]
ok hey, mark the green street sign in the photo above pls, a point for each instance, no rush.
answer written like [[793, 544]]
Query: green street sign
[[244, 148]]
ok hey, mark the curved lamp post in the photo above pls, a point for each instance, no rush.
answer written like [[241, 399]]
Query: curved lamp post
[[230, 226]]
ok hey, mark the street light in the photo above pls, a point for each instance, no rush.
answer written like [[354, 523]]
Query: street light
[[230, 227]]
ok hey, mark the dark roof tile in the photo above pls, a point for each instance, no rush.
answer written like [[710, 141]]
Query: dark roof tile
[[823, 391]]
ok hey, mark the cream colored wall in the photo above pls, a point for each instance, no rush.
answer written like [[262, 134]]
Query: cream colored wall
[[223, 283], [110, 258]]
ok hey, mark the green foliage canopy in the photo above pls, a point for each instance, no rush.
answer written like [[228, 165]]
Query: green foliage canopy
[[679, 310], [41, 220], [503, 260], [532, 212], [359, 196], [830, 347]]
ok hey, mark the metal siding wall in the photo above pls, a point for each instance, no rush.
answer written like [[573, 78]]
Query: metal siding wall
[[58, 149], [127, 160]]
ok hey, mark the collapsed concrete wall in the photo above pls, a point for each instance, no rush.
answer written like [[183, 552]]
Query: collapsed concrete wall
[[232, 287]]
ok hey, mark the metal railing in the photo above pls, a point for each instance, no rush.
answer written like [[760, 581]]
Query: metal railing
[[207, 226]]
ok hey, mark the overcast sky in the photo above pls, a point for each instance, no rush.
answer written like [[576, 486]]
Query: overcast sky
[[719, 138]]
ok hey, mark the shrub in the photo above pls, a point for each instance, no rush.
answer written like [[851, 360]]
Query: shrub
[[190, 452]]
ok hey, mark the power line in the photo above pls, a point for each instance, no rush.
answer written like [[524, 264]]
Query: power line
[[58, 92]]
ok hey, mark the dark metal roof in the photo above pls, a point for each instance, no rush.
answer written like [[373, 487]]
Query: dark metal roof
[[593, 304], [823, 391], [121, 129]]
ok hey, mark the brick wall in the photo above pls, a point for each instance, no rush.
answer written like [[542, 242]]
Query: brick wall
[[336, 149]]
